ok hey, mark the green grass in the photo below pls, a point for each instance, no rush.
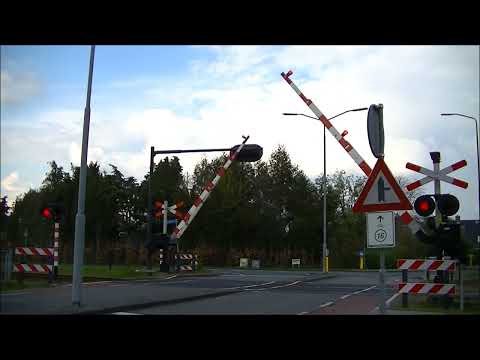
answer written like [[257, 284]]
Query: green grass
[[470, 307], [102, 271], [14, 285]]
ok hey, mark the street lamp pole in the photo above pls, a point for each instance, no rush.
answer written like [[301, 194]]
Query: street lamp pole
[[80, 218], [324, 185], [478, 170]]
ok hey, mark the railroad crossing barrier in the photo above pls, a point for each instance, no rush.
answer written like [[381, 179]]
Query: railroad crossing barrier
[[405, 288], [35, 268], [184, 262]]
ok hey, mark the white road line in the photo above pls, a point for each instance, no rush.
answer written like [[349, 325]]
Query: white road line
[[345, 296], [280, 286], [124, 313], [249, 286], [326, 304], [171, 277], [303, 313], [391, 299], [19, 293], [97, 282], [360, 291]]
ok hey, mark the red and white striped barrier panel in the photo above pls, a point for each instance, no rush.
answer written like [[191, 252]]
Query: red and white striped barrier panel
[[200, 200], [426, 265], [34, 268], [34, 251], [406, 218], [434, 175], [185, 268], [429, 288], [184, 256]]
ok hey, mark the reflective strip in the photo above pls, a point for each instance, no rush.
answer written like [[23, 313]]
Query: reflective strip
[[34, 268], [57, 226], [453, 167], [419, 183], [421, 170], [426, 288], [430, 265], [34, 251], [454, 181]]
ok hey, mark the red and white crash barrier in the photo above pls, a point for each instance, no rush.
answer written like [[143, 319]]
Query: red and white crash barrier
[[185, 268], [200, 200], [426, 265], [184, 256], [33, 268], [426, 288], [55, 244], [34, 251]]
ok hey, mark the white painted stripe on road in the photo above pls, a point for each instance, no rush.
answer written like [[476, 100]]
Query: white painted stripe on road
[[249, 286], [360, 291], [97, 282], [345, 296], [19, 293], [171, 277], [326, 304], [280, 286], [125, 313], [303, 313], [392, 298]]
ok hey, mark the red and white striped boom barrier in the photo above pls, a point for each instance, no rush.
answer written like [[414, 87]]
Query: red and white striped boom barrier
[[406, 218], [200, 200], [436, 175]]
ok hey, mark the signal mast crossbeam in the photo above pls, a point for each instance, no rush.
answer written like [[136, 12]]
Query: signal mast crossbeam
[[437, 175]]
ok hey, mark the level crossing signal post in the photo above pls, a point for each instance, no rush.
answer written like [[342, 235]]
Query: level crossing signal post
[[242, 153]]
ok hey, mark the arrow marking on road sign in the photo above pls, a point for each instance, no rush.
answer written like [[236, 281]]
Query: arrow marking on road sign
[[381, 192]]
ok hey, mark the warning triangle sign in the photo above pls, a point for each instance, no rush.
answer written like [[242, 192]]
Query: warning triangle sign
[[381, 192]]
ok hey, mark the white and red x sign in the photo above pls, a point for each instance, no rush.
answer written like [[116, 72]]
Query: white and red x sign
[[159, 206], [437, 175]]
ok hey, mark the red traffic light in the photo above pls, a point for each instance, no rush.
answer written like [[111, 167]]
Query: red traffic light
[[47, 213], [424, 205]]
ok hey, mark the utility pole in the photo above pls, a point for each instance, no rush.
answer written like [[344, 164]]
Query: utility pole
[[80, 218]]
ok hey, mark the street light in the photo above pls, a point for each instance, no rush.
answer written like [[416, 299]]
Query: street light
[[325, 180], [80, 218], [478, 158], [478, 166]]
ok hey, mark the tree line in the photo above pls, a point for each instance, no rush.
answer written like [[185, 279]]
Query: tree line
[[268, 210]]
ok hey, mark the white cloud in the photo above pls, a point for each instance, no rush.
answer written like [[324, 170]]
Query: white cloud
[[12, 186], [18, 87], [238, 95]]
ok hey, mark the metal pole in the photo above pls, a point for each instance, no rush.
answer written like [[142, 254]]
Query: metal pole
[[382, 282], [165, 217], [80, 218], [324, 202], [149, 207], [461, 285], [405, 296]]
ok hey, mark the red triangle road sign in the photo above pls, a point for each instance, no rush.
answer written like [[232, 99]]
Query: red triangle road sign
[[381, 192]]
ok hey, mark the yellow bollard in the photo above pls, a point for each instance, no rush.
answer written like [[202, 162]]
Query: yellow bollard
[[471, 259], [326, 263], [361, 262]]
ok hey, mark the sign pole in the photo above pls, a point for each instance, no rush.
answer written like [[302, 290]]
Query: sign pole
[[382, 282]]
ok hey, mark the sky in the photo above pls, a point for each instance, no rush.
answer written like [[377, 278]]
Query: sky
[[190, 97]]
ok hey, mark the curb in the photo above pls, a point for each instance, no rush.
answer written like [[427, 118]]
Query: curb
[[124, 308]]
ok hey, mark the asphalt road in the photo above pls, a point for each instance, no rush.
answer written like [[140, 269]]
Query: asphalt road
[[294, 293], [229, 291]]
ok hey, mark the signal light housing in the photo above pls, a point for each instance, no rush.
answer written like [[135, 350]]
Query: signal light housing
[[424, 205], [249, 153], [52, 211]]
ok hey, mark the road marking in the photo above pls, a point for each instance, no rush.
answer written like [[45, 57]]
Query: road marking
[[124, 313], [327, 304], [245, 287], [345, 296], [303, 313], [360, 291], [171, 277], [392, 298], [19, 293], [280, 286], [97, 282]]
